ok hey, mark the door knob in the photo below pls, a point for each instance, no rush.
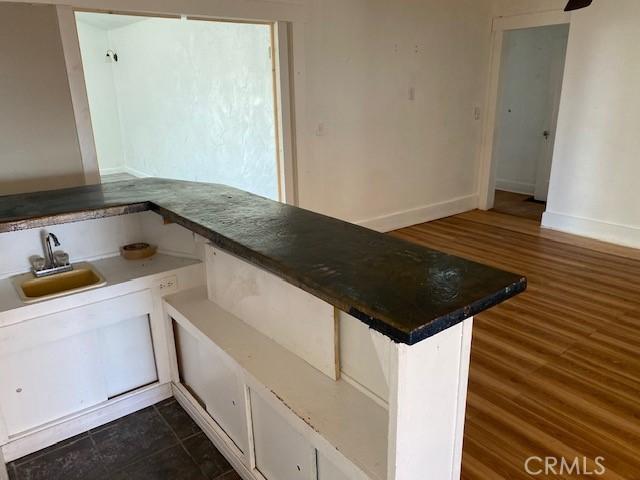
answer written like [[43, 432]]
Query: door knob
[[546, 134]]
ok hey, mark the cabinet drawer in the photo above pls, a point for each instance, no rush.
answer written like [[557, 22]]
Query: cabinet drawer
[[282, 453]]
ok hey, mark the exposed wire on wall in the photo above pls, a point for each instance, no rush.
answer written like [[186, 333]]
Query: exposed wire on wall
[[112, 55]]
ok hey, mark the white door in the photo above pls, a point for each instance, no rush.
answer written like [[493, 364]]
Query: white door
[[558, 48]]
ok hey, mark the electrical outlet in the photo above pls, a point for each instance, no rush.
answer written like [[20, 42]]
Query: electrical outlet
[[168, 284]]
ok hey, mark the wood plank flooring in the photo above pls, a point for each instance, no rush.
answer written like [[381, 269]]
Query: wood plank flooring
[[518, 205], [555, 371]]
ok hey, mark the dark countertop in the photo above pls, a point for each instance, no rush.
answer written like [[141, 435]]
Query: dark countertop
[[400, 289]]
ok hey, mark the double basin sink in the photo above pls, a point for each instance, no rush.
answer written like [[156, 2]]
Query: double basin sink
[[33, 289]]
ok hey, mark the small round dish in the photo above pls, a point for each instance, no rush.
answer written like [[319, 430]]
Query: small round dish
[[136, 251]]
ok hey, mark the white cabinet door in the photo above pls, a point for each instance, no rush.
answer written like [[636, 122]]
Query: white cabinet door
[[127, 355], [212, 378], [223, 395], [281, 452], [65, 362], [188, 353], [327, 470], [50, 380]]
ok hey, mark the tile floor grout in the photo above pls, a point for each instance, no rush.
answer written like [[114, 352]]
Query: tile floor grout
[[175, 434], [184, 447]]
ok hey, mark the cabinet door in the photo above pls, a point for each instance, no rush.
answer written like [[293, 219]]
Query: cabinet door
[[223, 395], [127, 355], [327, 470], [281, 452], [187, 352], [62, 363], [50, 380]]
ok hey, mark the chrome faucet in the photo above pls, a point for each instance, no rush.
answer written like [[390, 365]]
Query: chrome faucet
[[52, 262]]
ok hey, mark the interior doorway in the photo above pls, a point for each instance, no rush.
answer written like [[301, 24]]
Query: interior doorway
[[525, 87], [188, 99], [531, 71]]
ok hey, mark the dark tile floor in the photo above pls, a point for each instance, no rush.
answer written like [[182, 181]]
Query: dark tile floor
[[160, 442]]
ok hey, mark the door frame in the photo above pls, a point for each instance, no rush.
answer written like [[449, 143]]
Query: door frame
[[541, 188], [486, 178], [283, 93]]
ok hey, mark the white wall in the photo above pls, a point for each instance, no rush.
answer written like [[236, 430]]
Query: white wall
[[380, 153], [380, 157], [38, 140], [375, 154], [101, 92], [525, 107], [596, 167], [194, 99]]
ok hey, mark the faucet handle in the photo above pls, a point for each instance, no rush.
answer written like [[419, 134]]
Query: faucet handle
[[38, 263], [61, 259]]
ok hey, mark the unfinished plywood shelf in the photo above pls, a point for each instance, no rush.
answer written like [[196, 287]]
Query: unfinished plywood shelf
[[341, 420]]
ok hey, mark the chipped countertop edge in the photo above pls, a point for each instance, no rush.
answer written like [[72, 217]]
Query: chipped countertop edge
[[379, 321]]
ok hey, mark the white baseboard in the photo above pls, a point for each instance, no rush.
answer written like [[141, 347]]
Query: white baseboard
[[426, 213], [626, 235], [211, 430], [134, 172], [33, 440], [112, 170], [124, 169], [515, 187]]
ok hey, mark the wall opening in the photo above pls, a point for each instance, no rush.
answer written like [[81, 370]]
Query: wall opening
[[531, 71], [182, 99]]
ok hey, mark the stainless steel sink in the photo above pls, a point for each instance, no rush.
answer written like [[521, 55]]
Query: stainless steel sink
[[83, 277]]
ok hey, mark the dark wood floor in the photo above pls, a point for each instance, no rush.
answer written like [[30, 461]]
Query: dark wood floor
[[160, 442], [518, 205], [555, 371]]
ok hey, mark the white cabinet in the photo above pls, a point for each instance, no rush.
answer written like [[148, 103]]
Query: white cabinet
[[45, 381], [327, 470], [213, 379], [127, 355], [223, 395], [294, 409], [63, 363], [281, 452], [188, 356]]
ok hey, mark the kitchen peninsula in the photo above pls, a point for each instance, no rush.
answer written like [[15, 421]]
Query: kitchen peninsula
[[306, 347]]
